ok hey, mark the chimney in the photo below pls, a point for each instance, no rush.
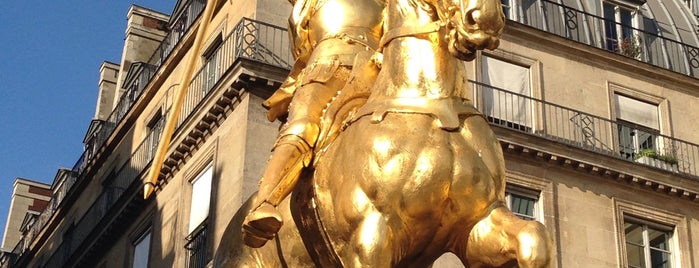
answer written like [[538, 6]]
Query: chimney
[[109, 73], [144, 32]]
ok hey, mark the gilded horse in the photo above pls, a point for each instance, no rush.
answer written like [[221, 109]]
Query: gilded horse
[[415, 172]]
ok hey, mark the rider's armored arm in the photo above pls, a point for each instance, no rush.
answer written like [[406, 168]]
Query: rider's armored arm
[[278, 103]]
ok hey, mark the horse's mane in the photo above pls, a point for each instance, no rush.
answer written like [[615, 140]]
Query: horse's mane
[[422, 4], [436, 8]]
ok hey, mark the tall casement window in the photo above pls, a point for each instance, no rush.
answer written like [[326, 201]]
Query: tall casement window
[[199, 213], [507, 96], [638, 126], [648, 244], [619, 21], [155, 129], [141, 250], [201, 196], [212, 67], [523, 202]]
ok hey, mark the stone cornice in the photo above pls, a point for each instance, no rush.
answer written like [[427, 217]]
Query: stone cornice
[[596, 164]]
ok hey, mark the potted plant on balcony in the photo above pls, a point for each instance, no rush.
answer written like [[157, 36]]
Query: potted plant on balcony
[[630, 47], [652, 158]]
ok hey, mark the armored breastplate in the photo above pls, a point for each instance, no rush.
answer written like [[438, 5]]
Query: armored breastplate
[[356, 22]]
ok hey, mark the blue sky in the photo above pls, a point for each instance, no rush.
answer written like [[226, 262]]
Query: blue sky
[[50, 54]]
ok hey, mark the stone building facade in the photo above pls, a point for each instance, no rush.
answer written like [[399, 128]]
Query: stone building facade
[[592, 101]]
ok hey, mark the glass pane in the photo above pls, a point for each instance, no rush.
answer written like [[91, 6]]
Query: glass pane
[[141, 252], [634, 233], [645, 140], [626, 17], [523, 205], [659, 259], [626, 143], [658, 239], [635, 256], [610, 26]]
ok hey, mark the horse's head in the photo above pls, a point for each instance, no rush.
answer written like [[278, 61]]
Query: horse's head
[[471, 25]]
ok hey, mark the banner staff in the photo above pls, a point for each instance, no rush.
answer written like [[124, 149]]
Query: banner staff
[[171, 122]]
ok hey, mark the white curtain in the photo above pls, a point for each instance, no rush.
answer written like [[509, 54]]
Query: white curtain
[[201, 195], [637, 112], [508, 78]]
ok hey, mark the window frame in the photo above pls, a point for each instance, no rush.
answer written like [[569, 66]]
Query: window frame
[[626, 210], [620, 36], [147, 232], [663, 108], [154, 129], [528, 185], [212, 60], [647, 247], [204, 168], [534, 108], [512, 190]]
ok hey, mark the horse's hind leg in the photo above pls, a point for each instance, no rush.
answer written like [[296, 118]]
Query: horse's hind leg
[[503, 240]]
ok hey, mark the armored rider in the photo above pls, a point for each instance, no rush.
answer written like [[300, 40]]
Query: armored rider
[[326, 36]]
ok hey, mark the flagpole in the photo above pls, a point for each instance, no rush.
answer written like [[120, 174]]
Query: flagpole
[[171, 122]]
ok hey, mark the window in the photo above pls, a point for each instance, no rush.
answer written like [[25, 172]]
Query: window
[[647, 244], [201, 195], [650, 236], [196, 246], [618, 29], [522, 202], [212, 64], [142, 250], [507, 98], [155, 130], [638, 126]]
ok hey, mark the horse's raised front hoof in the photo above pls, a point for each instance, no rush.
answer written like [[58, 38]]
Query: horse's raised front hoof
[[261, 225]]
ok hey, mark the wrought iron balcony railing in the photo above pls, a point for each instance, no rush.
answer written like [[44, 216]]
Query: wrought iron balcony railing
[[264, 39], [198, 254], [585, 131], [648, 45]]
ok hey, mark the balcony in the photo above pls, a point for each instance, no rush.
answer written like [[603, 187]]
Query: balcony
[[585, 131], [250, 40], [649, 45], [198, 255]]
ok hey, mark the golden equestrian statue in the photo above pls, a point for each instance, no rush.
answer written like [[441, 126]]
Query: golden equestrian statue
[[326, 35], [403, 168]]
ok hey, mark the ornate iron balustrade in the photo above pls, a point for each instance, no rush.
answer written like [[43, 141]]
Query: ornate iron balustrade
[[198, 253], [129, 173], [251, 40], [647, 45], [585, 131]]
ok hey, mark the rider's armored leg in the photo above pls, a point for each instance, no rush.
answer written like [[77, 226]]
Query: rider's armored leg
[[291, 153]]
